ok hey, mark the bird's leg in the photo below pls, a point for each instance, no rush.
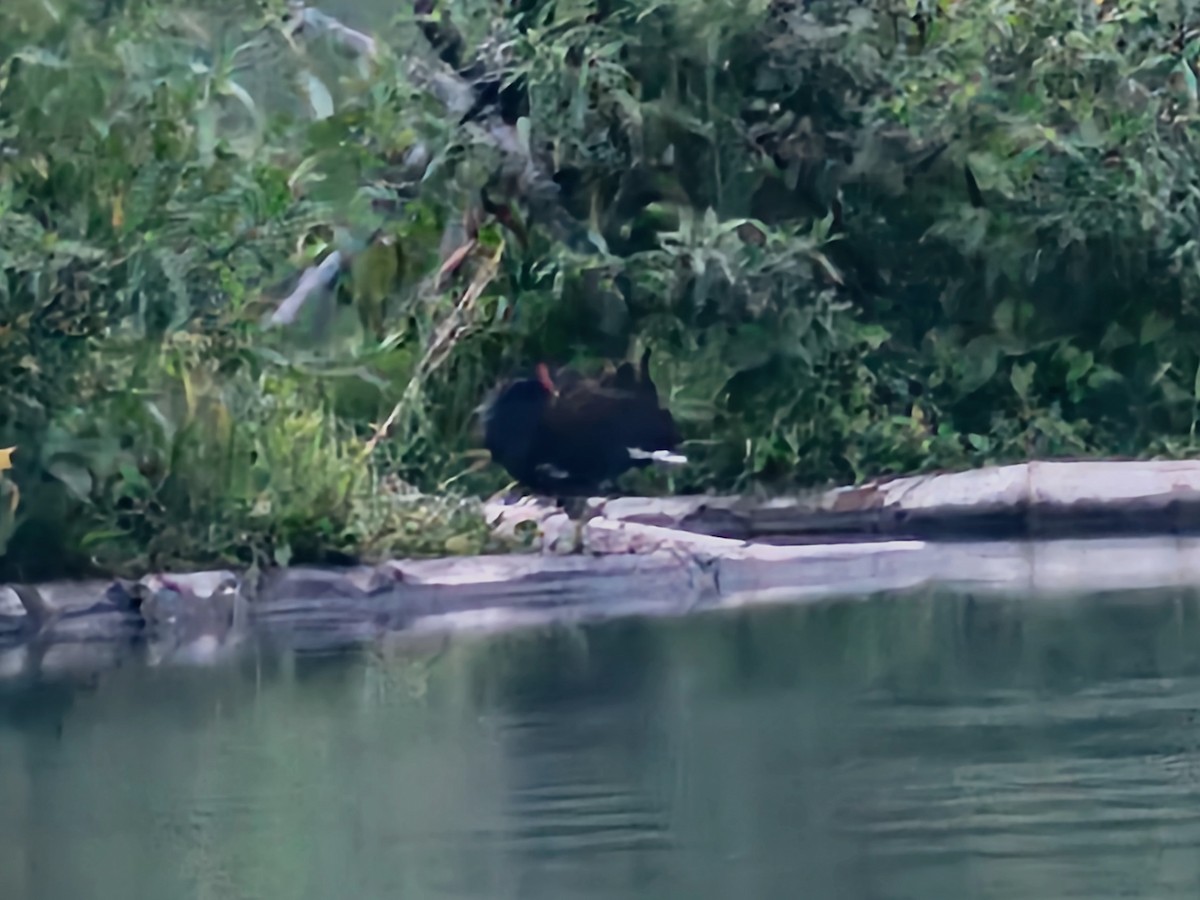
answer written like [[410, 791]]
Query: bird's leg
[[503, 496], [574, 506]]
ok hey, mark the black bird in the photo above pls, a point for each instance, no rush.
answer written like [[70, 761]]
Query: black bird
[[567, 435]]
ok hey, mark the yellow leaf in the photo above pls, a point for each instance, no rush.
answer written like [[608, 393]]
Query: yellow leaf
[[459, 544], [6, 458]]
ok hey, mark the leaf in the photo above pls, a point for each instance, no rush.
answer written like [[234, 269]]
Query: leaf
[[374, 271], [78, 250], [320, 101], [459, 544], [239, 93], [1022, 379], [1189, 81], [874, 336], [1154, 326], [979, 442], [598, 241], [828, 267], [523, 134], [1103, 376], [100, 536], [6, 458], [1004, 317], [39, 57], [206, 134], [980, 359], [1080, 366], [74, 474]]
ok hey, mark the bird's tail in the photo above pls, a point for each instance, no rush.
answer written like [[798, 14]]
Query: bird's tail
[[659, 456]]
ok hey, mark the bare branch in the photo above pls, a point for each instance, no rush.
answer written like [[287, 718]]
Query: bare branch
[[314, 280], [521, 174], [356, 43]]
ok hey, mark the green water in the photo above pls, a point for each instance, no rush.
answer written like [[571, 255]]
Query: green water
[[931, 747]]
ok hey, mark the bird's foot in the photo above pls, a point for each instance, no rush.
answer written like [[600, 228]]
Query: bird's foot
[[519, 499], [510, 496]]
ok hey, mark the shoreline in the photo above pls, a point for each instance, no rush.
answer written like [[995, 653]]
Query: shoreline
[[1114, 526]]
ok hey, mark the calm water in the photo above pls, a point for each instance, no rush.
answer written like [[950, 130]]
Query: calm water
[[931, 747]]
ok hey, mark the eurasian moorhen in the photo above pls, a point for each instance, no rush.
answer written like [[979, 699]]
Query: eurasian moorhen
[[567, 435]]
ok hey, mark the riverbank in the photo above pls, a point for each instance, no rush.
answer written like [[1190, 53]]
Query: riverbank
[[642, 556]]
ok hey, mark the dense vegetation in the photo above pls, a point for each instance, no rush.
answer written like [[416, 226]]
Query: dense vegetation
[[861, 237]]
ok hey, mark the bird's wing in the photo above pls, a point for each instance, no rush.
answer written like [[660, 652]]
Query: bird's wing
[[597, 416], [587, 406]]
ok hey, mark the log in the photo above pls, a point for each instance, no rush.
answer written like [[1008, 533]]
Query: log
[[1036, 499], [641, 556]]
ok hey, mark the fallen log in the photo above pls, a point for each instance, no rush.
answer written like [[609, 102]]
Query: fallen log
[[1035, 499], [640, 556]]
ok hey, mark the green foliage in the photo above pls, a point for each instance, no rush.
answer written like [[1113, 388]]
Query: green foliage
[[146, 193], [860, 238], [891, 237]]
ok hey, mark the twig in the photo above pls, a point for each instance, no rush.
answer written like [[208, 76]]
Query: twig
[[445, 337], [520, 173]]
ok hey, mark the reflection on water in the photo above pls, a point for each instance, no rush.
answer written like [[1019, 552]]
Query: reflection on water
[[920, 747]]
